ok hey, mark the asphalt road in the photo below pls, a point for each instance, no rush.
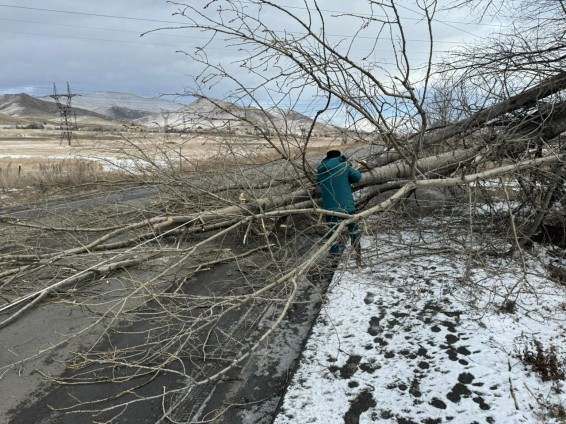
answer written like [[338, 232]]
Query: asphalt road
[[136, 195], [254, 388]]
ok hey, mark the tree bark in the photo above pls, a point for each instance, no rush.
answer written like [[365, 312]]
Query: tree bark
[[528, 97]]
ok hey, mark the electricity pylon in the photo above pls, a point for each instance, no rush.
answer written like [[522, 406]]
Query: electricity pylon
[[64, 112]]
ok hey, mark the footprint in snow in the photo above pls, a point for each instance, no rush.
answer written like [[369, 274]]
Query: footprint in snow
[[370, 297]]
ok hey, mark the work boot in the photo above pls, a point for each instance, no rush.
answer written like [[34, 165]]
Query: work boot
[[358, 254]]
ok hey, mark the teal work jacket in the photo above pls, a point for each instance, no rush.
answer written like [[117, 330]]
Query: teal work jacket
[[334, 177]]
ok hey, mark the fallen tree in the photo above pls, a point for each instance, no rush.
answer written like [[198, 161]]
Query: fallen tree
[[271, 209]]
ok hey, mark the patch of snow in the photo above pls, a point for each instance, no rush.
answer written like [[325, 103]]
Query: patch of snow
[[116, 164], [108, 163], [424, 338], [10, 156]]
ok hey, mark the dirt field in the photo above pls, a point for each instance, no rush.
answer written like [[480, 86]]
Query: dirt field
[[42, 144], [35, 163]]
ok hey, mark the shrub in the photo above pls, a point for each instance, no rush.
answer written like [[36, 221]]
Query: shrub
[[544, 362]]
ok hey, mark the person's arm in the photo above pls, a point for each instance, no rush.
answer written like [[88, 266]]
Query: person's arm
[[354, 175]]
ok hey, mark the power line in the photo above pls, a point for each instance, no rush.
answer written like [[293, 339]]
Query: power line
[[361, 37], [448, 23], [70, 26], [365, 15], [95, 39], [181, 22], [91, 14], [168, 45], [93, 27]]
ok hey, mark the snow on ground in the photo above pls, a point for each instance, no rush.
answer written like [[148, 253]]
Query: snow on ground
[[108, 163], [429, 338]]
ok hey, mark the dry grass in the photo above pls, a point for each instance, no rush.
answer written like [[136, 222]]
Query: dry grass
[[24, 181], [21, 173], [544, 361], [34, 162]]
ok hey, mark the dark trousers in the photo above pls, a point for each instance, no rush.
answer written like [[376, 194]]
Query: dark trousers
[[340, 244]]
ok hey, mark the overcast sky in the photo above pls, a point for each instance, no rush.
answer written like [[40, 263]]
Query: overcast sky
[[96, 45]]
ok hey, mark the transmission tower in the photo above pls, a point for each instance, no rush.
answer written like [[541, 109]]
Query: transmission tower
[[64, 107]]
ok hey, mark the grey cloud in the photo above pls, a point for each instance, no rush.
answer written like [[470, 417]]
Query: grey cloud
[[41, 47], [95, 53]]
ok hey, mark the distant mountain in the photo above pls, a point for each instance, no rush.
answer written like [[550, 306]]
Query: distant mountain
[[121, 105], [201, 114], [25, 106], [10, 120], [205, 114], [112, 109]]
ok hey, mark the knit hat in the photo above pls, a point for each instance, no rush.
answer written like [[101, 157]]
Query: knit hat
[[333, 154]]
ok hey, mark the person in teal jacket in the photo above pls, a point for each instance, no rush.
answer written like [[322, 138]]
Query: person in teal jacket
[[334, 177]]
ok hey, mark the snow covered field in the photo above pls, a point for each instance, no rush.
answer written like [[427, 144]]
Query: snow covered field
[[430, 334]]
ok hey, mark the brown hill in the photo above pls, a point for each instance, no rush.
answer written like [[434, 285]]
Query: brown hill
[[24, 106], [11, 120]]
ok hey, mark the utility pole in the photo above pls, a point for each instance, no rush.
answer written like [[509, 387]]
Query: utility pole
[[65, 113], [165, 115]]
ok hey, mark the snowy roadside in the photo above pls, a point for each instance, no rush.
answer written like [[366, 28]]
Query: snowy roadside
[[433, 336]]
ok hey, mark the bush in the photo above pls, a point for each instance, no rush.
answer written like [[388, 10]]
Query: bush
[[544, 362]]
